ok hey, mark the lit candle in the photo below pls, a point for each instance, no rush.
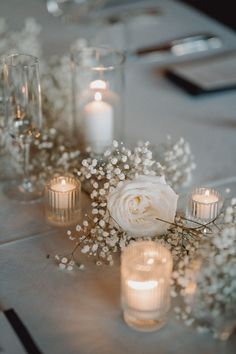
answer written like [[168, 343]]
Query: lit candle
[[143, 296], [103, 87], [98, 123], [62, 197], [205, 203], [145, 276], [62, 189]]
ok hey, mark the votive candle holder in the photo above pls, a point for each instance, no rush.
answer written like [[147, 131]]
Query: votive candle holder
[[146, 268], [204, 204], [62, 200]]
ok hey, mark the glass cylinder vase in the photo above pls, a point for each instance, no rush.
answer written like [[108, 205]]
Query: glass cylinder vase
[[145, 282], [97, 89]]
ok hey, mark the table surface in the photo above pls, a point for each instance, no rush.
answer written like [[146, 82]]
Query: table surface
[[79, 312]]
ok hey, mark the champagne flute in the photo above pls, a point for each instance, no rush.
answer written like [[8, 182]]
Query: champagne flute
[[23, 116]]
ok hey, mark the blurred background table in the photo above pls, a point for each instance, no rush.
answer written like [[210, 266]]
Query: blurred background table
[[80, 312]]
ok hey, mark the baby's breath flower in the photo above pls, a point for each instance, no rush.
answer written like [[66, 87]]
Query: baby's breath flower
[[78, 228], [115, 144], [114, 160], [62, 266], [102, 192], [85, 249], [102, 223]]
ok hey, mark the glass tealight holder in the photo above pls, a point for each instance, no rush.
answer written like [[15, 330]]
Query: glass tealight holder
[[63, 200], [204, 204], [146, 268], [98, 91]]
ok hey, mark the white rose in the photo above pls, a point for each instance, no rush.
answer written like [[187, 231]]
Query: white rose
[[136, 204]]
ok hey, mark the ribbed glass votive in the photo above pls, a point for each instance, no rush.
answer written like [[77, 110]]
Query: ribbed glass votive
[[204, 204], [145, 281], [62, 200]]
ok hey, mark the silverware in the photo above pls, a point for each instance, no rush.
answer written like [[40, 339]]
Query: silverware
[[194, 43]]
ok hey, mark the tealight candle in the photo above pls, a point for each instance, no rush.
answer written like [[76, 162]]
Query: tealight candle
[[145, 278], [98, 123], [62, 189], [143, 295], [62, 198], [204, 204]]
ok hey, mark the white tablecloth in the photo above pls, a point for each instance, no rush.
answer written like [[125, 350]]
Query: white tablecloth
[[79, 312]]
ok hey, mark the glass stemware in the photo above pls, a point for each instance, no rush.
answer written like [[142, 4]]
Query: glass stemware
[[23, 116]]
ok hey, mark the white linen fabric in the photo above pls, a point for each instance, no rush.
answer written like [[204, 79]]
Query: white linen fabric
[[80, 312]]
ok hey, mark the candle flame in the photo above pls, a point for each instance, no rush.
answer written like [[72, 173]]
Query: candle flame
[[150, 261], [207, 193], [142, 285], [98, 84], [98, 96]]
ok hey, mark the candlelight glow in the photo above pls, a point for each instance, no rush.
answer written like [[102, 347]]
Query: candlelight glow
[[142, 285], [150, 261], [98, 84]]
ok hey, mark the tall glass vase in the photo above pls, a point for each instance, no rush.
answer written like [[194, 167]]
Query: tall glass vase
[[23, 117], [98, 90]]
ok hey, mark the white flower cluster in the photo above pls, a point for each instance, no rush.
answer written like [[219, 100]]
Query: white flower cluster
[[99, 234], [177, 161], [24, 41], [50, 154], [55, 74], [56, 91], [56, 81], [208, 282]]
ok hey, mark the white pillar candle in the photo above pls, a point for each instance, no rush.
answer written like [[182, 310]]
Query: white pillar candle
[[98, 123]]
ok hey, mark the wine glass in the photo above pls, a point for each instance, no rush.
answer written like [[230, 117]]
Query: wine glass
[[23, 116]]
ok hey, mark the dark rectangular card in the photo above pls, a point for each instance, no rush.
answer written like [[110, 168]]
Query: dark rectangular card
[[213, 74]]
